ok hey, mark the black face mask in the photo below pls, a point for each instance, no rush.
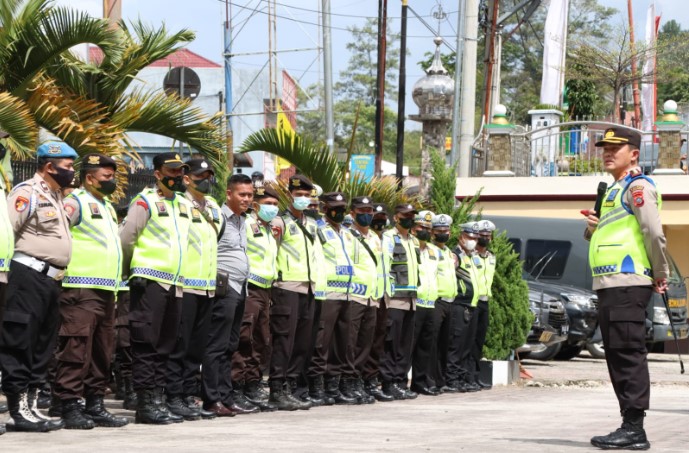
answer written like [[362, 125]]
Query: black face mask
[[313, 213], [202, 185], [378, 224], [3, 151], [423, 235], [442, 238], [483, 242], [62, 177], [337, 215], [107, 187], [406, 223], [364, 220], [174, 183]]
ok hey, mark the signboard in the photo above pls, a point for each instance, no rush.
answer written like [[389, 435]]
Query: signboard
[[363, 164]]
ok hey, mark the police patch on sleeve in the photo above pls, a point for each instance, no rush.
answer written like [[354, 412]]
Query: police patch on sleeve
[[638, 197], [20, 204]]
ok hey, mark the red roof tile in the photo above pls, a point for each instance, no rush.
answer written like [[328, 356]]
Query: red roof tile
[[182, 57]]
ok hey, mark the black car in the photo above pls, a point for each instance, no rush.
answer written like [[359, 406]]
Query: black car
[[550, 326]]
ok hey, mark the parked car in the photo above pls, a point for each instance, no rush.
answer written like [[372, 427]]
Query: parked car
[[550, 326]]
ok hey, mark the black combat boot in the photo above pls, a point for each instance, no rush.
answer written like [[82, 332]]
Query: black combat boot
[[254, 393], [361, 392], [239, 403], [55, 407], [32, 398], [95, 408], [278, 396], [347, 390], [73, 416], [177, 406], [371, 386], [452, 387], [291, 388], [630, 436], [129, 402], [317, 392], [43, 397], [147, 411], [159, 398], [393, 390], [193, 405], [470, 387], [332, 389], [24, 419]]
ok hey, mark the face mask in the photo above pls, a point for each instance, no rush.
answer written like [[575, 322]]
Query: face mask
[[267, 212], [364, 220], [470, 244], [174, 183], [483, 242], [378, 224], [62, 177], [336, 215], [107, 187], [313, 213], [406, 223], [301, 203], [423, 235], [442, 238], [202, 185]]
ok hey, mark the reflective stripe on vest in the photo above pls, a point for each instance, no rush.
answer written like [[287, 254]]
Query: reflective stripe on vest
[[96, 250], [366, 280], [447, 281], [338, 268], [428, 276], [162, 245], [404, 267], [6, 235], [200, 261], [261, 249], [293, 248], [486, 274]]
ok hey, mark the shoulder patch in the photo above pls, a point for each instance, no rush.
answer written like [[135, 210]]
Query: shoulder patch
[[142, 203], [638, 198], [20, 204]]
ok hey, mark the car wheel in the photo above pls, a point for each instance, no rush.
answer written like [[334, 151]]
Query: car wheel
[[568, 352], [596, 350], [547, 354]]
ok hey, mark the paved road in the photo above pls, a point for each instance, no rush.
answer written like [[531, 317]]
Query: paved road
[[557, 411]]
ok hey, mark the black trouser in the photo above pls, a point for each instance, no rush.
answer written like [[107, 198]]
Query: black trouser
[[29, 328], [3, 291], [462, 332], [153, 323], [361, 336], [423, 348], [223, 338], [622, 320], [396, 361], [482, 318], [123, 345], [254, 336], [330, 353], [371, 367], [185, 360], [442, 321]]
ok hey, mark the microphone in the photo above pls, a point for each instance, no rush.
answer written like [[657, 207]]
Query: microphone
[[602, 188]]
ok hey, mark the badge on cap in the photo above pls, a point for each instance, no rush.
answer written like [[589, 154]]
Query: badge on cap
[[204, 165], [296, 182], [54, 149], [338, 198], [379, 208], [177, 157], [609, 133], [365, 201], [428, 217], [94, 160]]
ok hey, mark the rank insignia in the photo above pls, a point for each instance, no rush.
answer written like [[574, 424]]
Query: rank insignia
[[50, 214], [95, 211], [94, 160], [21, 204], [183, 211], [195, 215], [162, 209]]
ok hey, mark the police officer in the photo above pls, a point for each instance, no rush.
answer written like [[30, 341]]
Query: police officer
[[154, 245], [42, 250], [199, 270], [628, 259], [6, 233], [293, 310], [254, 336], [87, 304], [447, 291], [400, 250], [370, 368], [460, 366], [485, 235]]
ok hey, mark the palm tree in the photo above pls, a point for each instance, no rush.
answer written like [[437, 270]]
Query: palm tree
[[17, 120]]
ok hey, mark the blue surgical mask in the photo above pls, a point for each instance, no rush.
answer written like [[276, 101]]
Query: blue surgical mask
[[301, 203], [267, 212], [364, 219]]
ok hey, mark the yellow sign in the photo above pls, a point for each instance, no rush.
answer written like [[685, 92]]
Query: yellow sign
[[448, 144], [284, 125], [677, 303]]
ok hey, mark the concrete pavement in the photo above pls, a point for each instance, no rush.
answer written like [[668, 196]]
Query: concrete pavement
[[557, 411]]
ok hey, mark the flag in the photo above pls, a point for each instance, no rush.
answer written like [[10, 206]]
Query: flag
[[283, 124], [554, 44], [112, 10], [648, 90], [289, 98]]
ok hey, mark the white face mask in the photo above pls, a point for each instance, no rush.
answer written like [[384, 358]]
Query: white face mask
[[470, 244]]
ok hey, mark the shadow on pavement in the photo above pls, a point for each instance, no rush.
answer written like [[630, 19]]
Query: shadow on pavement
[[560, 442]]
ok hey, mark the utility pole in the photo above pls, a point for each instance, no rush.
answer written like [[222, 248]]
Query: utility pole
[[227, 34], [380, 83], [328, 77], [454, 153], [402, 94], [468, 101], [491, 35], [635, 81]]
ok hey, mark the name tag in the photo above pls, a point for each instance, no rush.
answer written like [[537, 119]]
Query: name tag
[[95, 211], [162, 209]]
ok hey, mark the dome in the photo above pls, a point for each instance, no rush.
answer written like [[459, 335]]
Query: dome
[[434, 93]]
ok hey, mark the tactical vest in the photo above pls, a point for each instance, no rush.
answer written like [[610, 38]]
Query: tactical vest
[[6, 235], [404, 267], [261, 248], [296, 261], [96, 249], [162, 245], [447, 281], [200, 262], [338, 267], [617, 244], [367, 262], [427, 292], [472, 264]]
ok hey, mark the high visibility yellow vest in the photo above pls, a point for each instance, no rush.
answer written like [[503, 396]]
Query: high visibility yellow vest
[[338, 268], [617, 244], [367, 263], [96, 249], [161, 248], [262, 249], [447, 281], [201, 259], [404, 264], [296, 260], [427, 292], [486, 275], [472, 264], [6, 235]]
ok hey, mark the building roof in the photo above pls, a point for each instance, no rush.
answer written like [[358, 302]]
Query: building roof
[[182, 57]]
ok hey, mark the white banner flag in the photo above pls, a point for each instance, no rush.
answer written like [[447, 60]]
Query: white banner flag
[[648, 89], [554, 45]]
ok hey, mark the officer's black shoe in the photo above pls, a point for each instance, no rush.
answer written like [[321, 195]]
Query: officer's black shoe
[[43, 398], [147, 411], [239, 404], [73, 416], [194, 406], [361, 391], [129, 402], [255, 392], [177, 406], [423, 390], [55, 407], [278, 396], [316, 391], [371, 387], [471, 387], [332, 390], [393, 390], [630, 436], [452, 387], [95, 409], [348, 391], [159, 399], [483, 385], [32, 398], [20, 411], [408, 394]]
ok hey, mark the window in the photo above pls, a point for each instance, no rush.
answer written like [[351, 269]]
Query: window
[[546, 259], [516, 246]]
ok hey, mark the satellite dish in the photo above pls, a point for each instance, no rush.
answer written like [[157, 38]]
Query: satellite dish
[[183, 81]]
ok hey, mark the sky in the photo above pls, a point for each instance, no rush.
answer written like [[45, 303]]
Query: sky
[[297, 28]]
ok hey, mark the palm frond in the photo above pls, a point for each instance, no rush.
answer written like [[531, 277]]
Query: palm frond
[[17, 120], [381, 190]]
